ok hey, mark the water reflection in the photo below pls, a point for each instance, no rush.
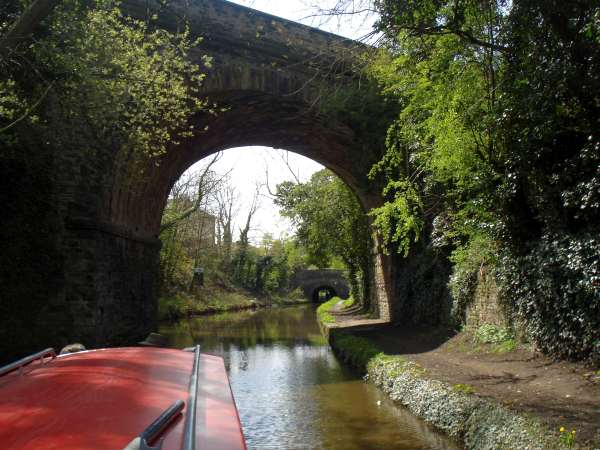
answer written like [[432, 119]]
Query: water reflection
[[290, 389]]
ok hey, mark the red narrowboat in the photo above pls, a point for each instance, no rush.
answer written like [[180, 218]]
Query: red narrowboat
[[118, 399]]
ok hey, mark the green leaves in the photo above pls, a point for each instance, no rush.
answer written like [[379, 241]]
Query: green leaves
[[135, 86], [330, 223], [497, 139], [441, 147], [400, 220]]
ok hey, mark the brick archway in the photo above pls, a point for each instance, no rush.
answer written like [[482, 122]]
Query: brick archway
[[269, 74]]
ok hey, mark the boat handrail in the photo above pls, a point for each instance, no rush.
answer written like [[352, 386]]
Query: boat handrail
[[48, 353], [156, 428], [189, 433]]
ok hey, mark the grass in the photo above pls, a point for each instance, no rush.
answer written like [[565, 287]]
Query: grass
[[359, 350], [463, 388], [494, 339], [348, 303], [205, 301], [504, 347], [323, 314], [492, 334]]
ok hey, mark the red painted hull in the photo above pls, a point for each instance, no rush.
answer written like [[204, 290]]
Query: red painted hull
[[103, 399]]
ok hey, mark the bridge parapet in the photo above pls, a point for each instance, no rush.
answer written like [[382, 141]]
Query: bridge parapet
[[253, 50]]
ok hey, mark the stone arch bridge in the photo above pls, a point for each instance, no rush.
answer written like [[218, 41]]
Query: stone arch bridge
[[269, 73], [312, 282]]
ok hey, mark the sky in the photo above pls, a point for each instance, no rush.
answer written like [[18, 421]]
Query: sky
[[248, 164]]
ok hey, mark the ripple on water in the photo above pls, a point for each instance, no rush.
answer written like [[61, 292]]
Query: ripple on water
[[292, 393]]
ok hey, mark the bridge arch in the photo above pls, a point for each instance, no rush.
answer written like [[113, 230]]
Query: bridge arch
[[312, 281], [323, 293], [268, 75], [251, 120]]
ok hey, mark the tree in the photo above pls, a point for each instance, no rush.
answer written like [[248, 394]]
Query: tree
[[331, 224], [119, 80], [189, 239], [495, 151], [242, 260], [227, 210], [206, 184]]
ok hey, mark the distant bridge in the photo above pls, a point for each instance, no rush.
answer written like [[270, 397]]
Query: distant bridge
[[321, 284]]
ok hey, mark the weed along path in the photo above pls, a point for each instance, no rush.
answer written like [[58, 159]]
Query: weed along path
[[292, 392], [526, 391]]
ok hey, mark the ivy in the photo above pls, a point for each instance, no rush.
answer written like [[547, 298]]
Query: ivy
[[555, 291]]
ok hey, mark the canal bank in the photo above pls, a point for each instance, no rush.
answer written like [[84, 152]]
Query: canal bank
[[292, 392], [412, 369], [214, 299]]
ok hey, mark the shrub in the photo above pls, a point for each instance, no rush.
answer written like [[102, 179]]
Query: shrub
[[554, 291], [492, 334], [464, 388]]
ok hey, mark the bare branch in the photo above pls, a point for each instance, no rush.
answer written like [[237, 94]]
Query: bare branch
[[204, 185], [29, 110]]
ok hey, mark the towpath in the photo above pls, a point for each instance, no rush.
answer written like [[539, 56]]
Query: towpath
[[561, 394]]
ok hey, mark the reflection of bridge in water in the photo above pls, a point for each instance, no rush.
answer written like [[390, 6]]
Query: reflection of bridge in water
[[321, 284]]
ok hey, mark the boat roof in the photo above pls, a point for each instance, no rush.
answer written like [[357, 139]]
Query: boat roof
[[103, 399]]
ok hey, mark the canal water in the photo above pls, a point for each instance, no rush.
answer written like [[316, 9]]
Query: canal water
[[291, 391]]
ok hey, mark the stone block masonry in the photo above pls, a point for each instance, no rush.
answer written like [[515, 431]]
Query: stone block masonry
[[268, 76], [485, 308]]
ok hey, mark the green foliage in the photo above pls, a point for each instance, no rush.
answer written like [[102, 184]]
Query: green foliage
[[399, 220], [330, 224], [496, 150], [266, 270], [348, 302], [567, 437], [203, 301], [434, 18], [175, 261], [554, 291], [553, 150], [463, 388], [492, 334], [323, 314], [506, 346], [125, 83], [10, 102], [439, 149], [188, 231], [133, 79], [358, 351]]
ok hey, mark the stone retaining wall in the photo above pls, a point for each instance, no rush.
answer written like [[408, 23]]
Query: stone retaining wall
[[485, 308]]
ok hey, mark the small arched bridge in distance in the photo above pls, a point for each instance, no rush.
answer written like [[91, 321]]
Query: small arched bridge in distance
[[321, 284]]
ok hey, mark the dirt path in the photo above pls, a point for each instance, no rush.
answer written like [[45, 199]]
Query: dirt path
[[559, 393]]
